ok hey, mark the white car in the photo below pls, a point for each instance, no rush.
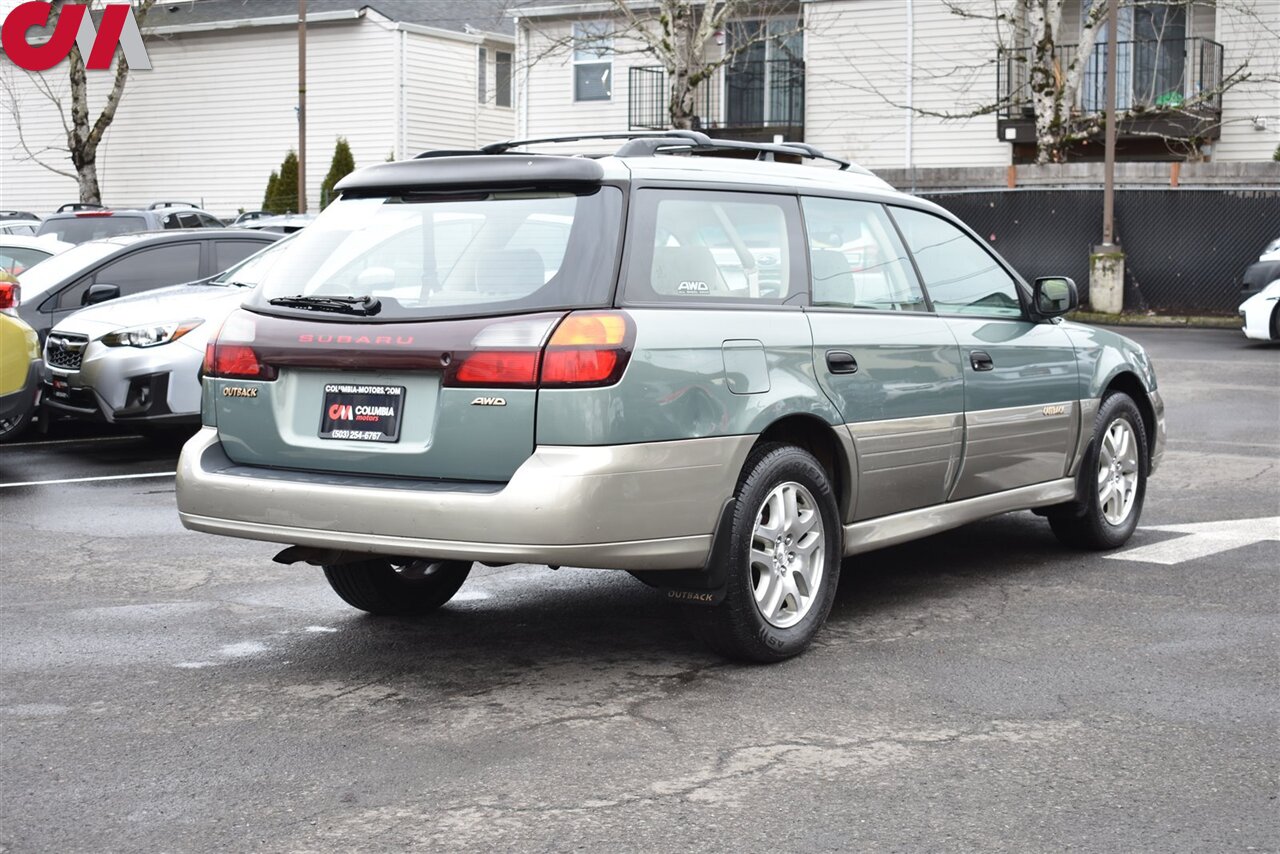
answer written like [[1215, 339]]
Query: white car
[[135, 360], [19, 253], [1261, 314]]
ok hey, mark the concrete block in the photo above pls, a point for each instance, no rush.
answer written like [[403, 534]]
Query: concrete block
[[1106, 279]]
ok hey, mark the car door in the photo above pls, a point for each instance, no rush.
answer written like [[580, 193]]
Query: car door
[[143, 269], [1021, 384], [888, 363]]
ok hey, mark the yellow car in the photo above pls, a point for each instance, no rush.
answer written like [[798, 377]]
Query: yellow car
[[20, 370]]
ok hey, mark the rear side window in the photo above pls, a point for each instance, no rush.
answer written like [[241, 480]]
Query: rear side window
[[856, 259], [962, 277], [229, 252], [78, 229], [450, 255], [15, 259], [705, 247], [141, 271]]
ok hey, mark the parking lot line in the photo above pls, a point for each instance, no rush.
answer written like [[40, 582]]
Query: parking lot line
[[73, 441], [88, 479]]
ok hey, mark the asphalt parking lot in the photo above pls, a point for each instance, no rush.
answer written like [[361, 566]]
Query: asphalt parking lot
[[984, 689]]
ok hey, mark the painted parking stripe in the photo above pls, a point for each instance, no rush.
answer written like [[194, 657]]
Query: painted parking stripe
[[43, 442], [1202, 540], [89, 479]]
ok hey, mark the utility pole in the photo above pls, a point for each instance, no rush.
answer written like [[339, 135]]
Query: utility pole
[[1109, 166], [1106, 264], [302, 106]]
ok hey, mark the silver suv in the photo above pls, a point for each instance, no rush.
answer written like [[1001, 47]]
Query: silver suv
[[721, 374]]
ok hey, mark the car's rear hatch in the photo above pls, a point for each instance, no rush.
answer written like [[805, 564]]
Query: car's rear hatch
[[403, 333]]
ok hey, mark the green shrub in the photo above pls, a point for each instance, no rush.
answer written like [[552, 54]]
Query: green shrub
[[342, 165]]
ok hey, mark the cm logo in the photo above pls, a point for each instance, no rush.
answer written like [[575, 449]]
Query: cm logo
[[342, 412], [75, 27]]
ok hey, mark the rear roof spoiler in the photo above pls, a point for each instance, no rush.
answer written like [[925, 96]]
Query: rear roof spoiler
[[474, 170]]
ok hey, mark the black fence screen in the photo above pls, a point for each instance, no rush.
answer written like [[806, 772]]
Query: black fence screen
[[1185, 249]]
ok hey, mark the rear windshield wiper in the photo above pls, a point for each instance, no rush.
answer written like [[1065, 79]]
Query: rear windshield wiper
[[345, 305]]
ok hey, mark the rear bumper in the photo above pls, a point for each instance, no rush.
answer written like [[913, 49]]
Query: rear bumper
[[642, 506]]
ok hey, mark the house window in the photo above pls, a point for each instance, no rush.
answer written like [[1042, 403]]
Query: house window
[[1151, 60], [592, 62], [482, 79], [502, 79]]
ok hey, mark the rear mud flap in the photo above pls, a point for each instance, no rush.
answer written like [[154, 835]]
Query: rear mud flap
[[706, 586]]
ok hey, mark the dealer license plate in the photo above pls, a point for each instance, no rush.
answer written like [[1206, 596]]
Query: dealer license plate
[[362, 413]]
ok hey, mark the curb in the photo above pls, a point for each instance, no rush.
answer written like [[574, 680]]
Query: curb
[[1156, 320]]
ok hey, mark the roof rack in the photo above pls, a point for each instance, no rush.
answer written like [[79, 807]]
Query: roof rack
[[80, 206], [157, 205], [17, 215], [650, 143]]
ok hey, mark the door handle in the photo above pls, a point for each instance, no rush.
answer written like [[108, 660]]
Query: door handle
[[980, 360], [840, 362]]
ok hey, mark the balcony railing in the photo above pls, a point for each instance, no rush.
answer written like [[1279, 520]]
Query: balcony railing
[[747, 98], [1151, 76]]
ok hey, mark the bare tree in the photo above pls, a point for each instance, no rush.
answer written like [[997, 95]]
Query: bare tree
[[686, 37], [82, 136]]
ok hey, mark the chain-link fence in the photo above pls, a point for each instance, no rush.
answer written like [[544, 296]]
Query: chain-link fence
[[1185, 249]]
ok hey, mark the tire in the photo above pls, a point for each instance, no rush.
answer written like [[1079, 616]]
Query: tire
[[401, 588], [785, 500], [12, 428], [1113, 477], [1275, 324]]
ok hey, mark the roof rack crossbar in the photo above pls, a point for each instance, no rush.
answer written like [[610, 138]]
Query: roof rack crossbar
[[650, 143], [80, 206], [767, 151], [166, 204]]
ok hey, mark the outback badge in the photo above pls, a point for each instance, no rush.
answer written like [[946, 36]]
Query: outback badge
[[489, 401], [239, 391]]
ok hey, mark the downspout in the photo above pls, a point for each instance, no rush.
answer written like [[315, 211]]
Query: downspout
[[522, 52], [402, 64], [911, 46]]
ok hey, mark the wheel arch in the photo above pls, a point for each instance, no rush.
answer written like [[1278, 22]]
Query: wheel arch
[[1129, 383], [822, 440]]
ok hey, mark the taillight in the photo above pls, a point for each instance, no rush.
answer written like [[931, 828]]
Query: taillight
[[587, 349], [499, 368], [10, 294], [230, 354]]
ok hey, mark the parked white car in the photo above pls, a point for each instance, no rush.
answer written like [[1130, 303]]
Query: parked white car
[[1261, 314], [19, 253], [135, 360]]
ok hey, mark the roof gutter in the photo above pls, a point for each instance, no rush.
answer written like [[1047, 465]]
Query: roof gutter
[[473, 37], [246, 23], [588, 8]]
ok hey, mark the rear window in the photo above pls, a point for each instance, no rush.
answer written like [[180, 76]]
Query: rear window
[[448, 256], [78, 229]]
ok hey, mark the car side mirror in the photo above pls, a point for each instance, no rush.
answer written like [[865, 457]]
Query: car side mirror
[[99, 293], [1055, 295]]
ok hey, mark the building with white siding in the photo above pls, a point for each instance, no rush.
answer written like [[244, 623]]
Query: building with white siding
[[217, 113], [875, 79]]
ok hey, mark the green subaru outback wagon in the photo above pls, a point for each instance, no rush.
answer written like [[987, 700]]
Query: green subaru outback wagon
[[689, 359]]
